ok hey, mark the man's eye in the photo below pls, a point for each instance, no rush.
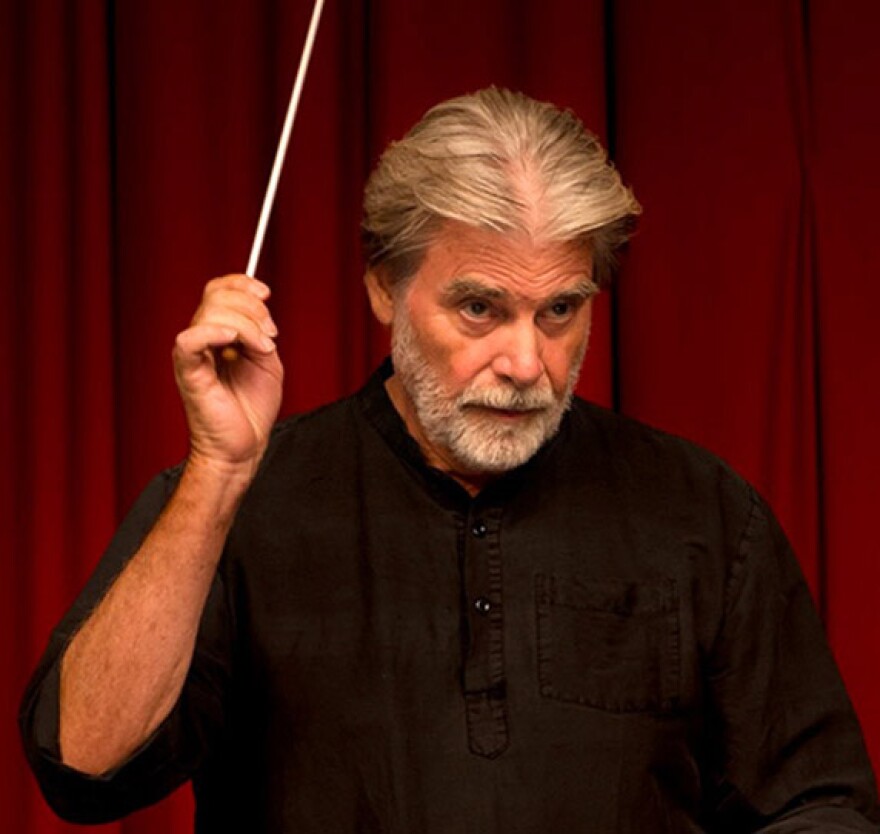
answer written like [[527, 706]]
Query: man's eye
[[559, 314], [561, 309], [476, 309]]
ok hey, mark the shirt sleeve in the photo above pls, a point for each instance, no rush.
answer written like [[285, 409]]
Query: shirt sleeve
[[169, 757], [793, 759]]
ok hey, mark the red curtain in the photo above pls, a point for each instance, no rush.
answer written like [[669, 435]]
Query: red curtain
[[138, 141]]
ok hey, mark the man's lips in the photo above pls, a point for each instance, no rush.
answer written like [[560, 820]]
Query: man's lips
[[511, 414]]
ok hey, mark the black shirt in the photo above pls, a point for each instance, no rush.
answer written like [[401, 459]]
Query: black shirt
[[614, 637]]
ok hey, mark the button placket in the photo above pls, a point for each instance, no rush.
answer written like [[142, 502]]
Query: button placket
[[483, 677]]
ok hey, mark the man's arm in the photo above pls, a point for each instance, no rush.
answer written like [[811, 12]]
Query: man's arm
[[791, 756], [124, 669]]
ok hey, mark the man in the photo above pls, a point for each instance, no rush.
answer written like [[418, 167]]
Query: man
[[460, 600]]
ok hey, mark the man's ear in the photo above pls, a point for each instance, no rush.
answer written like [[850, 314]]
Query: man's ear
[[381, 296]]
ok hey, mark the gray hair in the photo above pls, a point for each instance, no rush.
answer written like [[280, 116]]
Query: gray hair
[[495, 160]]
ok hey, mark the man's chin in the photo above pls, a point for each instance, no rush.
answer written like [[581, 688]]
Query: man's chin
[[498, 453]]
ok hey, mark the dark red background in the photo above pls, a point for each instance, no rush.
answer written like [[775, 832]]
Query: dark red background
[[137, 142]]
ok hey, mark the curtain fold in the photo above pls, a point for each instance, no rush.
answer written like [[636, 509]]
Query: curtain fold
[[59, 494], [845, 82], [138, 144]]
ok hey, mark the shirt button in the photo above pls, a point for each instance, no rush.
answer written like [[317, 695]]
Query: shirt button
[[482, 605], [479, 529]]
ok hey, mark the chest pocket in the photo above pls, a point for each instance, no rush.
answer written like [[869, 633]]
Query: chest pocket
[[609, 644]]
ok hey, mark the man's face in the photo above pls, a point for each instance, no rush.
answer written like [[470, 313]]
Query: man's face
[[487, 341]]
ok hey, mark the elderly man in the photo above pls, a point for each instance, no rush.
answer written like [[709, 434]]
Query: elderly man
[[460, 600]]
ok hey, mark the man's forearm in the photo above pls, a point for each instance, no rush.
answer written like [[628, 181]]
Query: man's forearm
[[124, 670]]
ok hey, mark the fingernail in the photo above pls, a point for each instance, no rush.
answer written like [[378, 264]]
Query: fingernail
[[269, 327], [268, 344]]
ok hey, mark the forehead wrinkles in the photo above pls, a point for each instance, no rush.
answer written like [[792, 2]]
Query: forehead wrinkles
[[520, 269]]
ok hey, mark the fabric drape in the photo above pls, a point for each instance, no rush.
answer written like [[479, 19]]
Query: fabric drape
[[136, 148]]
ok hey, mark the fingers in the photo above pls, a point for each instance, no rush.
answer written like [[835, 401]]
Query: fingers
[[192, 345], [236, 303], [237, 283]]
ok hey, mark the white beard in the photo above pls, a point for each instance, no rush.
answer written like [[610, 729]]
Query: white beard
[[476, 440]]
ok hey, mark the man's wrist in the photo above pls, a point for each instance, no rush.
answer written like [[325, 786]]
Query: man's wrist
[[219, 485]]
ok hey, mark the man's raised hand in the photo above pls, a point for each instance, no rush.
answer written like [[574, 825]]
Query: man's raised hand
[[230, 406]]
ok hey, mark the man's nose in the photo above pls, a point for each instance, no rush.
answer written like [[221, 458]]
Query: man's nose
[[519, 356]]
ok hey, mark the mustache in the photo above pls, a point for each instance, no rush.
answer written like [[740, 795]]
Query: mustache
[[507, 399]]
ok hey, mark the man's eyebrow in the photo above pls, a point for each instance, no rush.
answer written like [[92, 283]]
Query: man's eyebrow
[[465, 287], [583, 290]]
